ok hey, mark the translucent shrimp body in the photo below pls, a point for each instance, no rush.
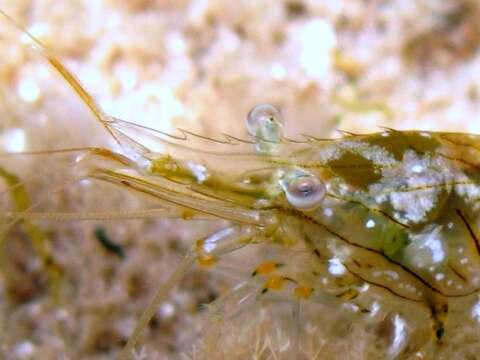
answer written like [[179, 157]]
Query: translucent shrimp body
[[392, 212]]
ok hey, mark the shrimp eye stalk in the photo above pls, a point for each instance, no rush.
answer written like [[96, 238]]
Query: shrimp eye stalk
[[265, 123]]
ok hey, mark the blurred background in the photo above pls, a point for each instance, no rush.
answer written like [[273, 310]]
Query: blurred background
[[202, 65]]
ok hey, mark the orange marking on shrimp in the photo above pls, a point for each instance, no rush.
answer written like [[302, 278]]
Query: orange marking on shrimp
[[202, 258], [266, 267], [303, 292], [206, 261], [274, 283]]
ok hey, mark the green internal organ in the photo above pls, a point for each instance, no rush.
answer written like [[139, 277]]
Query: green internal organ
[[417, 217]]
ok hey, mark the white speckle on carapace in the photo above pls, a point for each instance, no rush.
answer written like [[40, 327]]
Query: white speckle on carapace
[[381, 198], [439, 276], [386, 273], [413, 171], [435, 245], [399, 337], [426, 248], [364, 287], [463, 261], [476, 311], [375, 309], [410, 288], [335, 267], [370, 224], [344, 188], [469, 192], [199, 171], [328, 212], [417, 169], [351, 307], [411, 206], [374, 153]]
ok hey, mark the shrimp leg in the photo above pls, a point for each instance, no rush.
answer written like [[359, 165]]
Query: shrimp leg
[[205, 251]]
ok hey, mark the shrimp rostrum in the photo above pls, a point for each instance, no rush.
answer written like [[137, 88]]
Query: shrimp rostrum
[[386, 223]]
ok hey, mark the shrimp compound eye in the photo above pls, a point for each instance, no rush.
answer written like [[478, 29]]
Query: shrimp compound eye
[[265, 122], [305, 192]]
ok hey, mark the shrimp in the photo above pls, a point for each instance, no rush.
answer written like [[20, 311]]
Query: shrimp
[[378, 228]]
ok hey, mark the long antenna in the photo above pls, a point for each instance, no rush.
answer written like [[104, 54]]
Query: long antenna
[[69, 77]]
